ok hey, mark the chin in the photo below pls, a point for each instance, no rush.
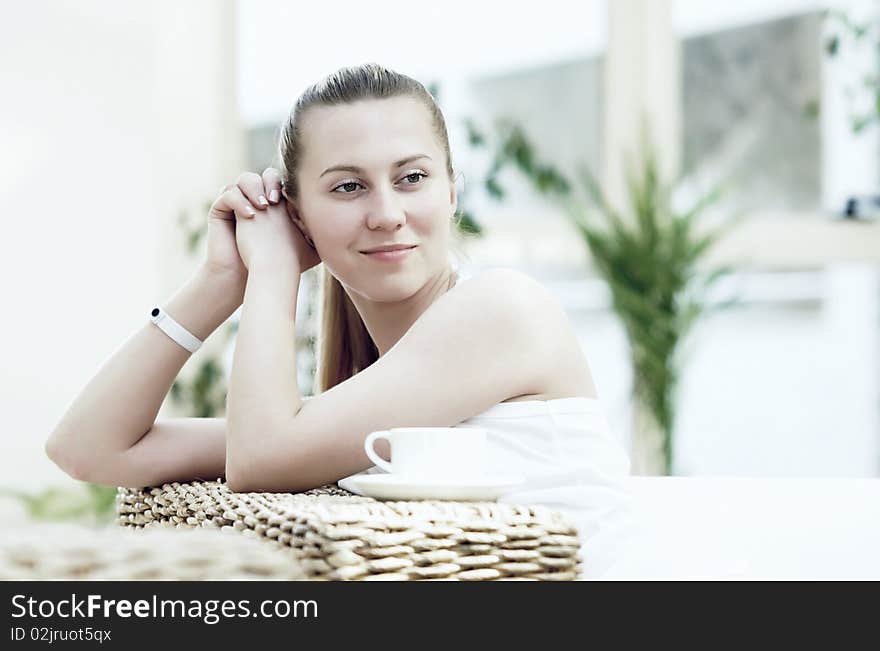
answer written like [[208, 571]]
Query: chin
[[383, 286], [395, 286]]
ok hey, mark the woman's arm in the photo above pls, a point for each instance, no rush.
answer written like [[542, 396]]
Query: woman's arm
[[108, 436], [500, 335], [263, 389]]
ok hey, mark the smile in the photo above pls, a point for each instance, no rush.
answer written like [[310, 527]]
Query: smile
[[390, 256]]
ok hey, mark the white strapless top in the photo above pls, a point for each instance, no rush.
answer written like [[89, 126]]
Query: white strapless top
[[571, 462]]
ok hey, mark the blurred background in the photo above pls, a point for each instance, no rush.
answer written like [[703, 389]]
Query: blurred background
[[120, 122]]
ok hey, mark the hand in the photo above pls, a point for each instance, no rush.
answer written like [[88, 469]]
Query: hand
[[266, 230], [222, 258]]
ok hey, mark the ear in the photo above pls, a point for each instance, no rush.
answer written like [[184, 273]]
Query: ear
[[293, 213]]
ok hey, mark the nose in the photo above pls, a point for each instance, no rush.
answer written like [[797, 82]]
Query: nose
[[385, 209]]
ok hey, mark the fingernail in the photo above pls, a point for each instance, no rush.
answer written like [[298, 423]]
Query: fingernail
[[251, 212], [263, 201], [273, 196]]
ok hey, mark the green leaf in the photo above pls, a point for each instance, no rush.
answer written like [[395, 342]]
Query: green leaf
[[860, 123], [494, 189], [468, 225], [734, 301], [97, 503], [475, 136], [832, 45], [594, 192], [193, 240]]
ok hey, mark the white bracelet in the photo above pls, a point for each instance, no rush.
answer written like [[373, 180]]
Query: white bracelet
[[174, 330]]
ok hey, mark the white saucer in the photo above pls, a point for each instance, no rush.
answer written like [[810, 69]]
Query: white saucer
[[386, 486]]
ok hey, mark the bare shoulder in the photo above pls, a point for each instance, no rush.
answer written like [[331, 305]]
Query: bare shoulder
[[517, 298], [499, 303], [521, 302], [508, 303], [507, 288]]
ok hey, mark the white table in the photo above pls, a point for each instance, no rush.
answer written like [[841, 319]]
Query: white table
[[753, 528]]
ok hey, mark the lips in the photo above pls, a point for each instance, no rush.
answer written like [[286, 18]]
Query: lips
[[394, 255], [393, 247]]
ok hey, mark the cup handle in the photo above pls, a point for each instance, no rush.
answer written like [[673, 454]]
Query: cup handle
[[371, 453]]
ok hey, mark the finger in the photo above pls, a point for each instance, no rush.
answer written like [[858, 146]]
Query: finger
[[232, 205], [251, 185], [244, 208], [272, 184]]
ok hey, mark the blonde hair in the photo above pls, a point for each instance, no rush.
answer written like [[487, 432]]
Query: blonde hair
[[345, 346]]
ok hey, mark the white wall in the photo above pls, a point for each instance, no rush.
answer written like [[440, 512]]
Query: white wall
[[80, 246], [308, 40], [110, 126], [788, 388]]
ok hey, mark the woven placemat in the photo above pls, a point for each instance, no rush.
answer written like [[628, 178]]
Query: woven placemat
[[35, 551], [337, 535]]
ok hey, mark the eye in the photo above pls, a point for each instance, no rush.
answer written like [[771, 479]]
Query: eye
[[420, 176], [346, 185]]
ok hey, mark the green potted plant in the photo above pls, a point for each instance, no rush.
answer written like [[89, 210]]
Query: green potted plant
[[651, 260]]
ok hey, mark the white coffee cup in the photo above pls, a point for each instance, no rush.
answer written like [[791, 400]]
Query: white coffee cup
[[431, 452]]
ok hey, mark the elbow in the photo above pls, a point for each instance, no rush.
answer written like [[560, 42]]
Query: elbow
[[245, 478], [254, 476], [235, 472], [241, 470], [87, 466], [244, 463], [236, 481], [243, 482], [262, 467], [61, 455]]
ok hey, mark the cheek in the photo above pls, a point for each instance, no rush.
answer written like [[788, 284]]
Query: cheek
[[437, 198], [329, 217], [431, 210], [337, 237]]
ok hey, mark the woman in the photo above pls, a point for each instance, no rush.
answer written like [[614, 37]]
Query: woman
[[365, 165]]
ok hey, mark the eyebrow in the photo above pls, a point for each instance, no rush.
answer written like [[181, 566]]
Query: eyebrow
[[354, 168]]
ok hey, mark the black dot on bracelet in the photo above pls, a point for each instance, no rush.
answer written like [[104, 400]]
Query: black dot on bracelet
[[155, 311]]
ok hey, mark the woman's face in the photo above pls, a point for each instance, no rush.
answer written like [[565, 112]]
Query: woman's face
[[396, 191]]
